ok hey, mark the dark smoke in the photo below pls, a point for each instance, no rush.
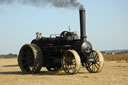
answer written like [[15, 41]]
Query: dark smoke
[[41, 3]]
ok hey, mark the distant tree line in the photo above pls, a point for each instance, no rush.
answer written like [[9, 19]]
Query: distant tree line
[[10, 55], [115, 51]]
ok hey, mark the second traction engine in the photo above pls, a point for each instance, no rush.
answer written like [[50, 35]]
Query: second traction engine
[[64, 52]]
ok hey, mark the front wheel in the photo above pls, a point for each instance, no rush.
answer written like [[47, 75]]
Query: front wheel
[[97, 66], [71, 62]]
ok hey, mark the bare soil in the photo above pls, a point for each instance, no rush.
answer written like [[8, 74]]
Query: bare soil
[[116, 57], [115, 72]]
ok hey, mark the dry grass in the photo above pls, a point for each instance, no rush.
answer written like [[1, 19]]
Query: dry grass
[[114, 73]]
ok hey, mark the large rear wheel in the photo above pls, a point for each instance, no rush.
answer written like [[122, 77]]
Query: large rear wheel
[[30, 58], [71, 62], [97, 66]]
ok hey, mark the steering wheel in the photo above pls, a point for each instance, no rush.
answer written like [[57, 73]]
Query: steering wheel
[[63, 34]]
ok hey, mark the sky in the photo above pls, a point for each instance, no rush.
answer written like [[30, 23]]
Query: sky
[[106, 23]]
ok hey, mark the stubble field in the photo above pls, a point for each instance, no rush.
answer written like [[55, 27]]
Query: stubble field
[[115, 72]]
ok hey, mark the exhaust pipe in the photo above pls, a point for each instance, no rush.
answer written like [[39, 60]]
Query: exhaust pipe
[[82, 24]]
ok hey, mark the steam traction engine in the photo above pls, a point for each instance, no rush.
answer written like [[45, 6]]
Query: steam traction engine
[[66, 52]]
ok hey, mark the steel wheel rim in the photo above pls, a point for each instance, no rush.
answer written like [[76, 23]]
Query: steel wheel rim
[[71, 62], [30, 58]]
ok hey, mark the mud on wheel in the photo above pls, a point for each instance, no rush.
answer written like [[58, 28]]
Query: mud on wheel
[[96, 66], [71, 62], [30, 58]]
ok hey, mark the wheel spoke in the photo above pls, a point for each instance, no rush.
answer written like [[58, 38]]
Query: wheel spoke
[[68, 61], [96, 66], [89, 64], [96, 57]]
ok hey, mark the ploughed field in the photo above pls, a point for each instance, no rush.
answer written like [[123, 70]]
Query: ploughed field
[[116, 57], [115, 72]]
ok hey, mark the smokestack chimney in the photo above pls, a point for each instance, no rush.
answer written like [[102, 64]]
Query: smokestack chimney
[[82, 24]]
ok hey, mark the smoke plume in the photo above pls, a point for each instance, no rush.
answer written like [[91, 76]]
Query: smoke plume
[[42, 3]]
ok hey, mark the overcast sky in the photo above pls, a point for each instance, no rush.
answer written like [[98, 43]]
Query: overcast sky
[[107, 23]]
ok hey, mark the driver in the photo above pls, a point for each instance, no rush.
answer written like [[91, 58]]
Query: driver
[[37, 35]]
